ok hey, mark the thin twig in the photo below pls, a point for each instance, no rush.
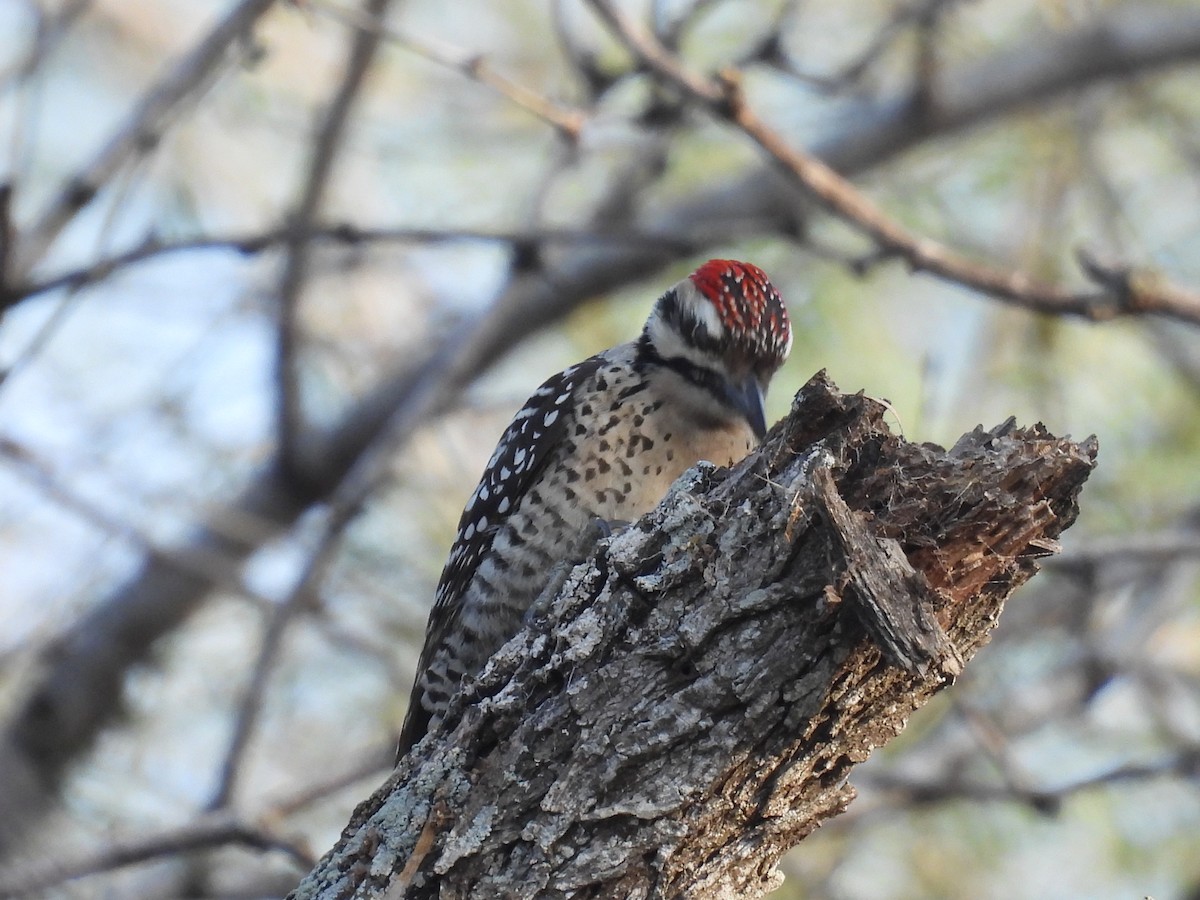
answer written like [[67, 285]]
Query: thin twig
[[197, 560], [1153, 550], [671, 25], [918, 13], [256, 242], [140, 131], [371, 762], [51, 29], [6, 240], [283, 615], [567, 121], [1183, 764], [289, 412], [1118, 292], [208, 831]]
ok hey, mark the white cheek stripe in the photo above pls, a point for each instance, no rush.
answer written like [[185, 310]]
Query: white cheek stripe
[[690, 297], [671, 345]]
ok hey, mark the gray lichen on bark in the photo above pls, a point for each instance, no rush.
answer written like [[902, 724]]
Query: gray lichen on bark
[[690, 702]]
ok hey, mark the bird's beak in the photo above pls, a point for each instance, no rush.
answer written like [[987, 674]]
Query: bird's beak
[[748, 397]]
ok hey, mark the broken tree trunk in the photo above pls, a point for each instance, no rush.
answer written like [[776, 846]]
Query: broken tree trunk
[[689, 704]]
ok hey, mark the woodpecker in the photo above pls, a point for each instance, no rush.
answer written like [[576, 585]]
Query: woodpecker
[[603, 439]]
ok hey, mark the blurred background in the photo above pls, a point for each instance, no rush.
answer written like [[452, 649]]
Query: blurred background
[[274, 276]]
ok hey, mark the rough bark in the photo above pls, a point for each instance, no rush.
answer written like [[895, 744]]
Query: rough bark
[[690, 702]]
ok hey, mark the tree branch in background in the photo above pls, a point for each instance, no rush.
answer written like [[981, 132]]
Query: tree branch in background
[[283, 615], [209, 830], [217, 829], [349, 235], [193, 562], [140, 132], [567, 121], [690, 703], [1117, 43], [289, 403], [1045, 801], [78, 685], [52, 28], [1116, 295]]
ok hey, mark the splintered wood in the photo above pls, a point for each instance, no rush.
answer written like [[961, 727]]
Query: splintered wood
[[690, 703]]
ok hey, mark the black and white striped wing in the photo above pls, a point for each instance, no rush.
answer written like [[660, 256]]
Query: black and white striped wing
[[523, 450], [516, 464]]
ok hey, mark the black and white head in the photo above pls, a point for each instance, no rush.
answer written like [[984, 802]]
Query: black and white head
[[724, 329]]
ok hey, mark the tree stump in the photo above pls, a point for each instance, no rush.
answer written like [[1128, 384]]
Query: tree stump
[[689, 703]]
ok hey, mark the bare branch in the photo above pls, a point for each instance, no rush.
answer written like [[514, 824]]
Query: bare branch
[[351, 235], [282, 616], [193, 562], [1151, 550], [920, 14], [7, 234], [216, 829], [1046, 801], [670, 25], [651, 53], [138, 134], [725, 99], [289, 412], [51, 29], [78, 687], [567, 121], [209, 830]]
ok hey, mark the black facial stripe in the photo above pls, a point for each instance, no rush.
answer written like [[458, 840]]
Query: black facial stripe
[[713, 383], [691, 329]]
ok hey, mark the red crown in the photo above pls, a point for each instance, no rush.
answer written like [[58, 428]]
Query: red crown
[[747, 303]]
